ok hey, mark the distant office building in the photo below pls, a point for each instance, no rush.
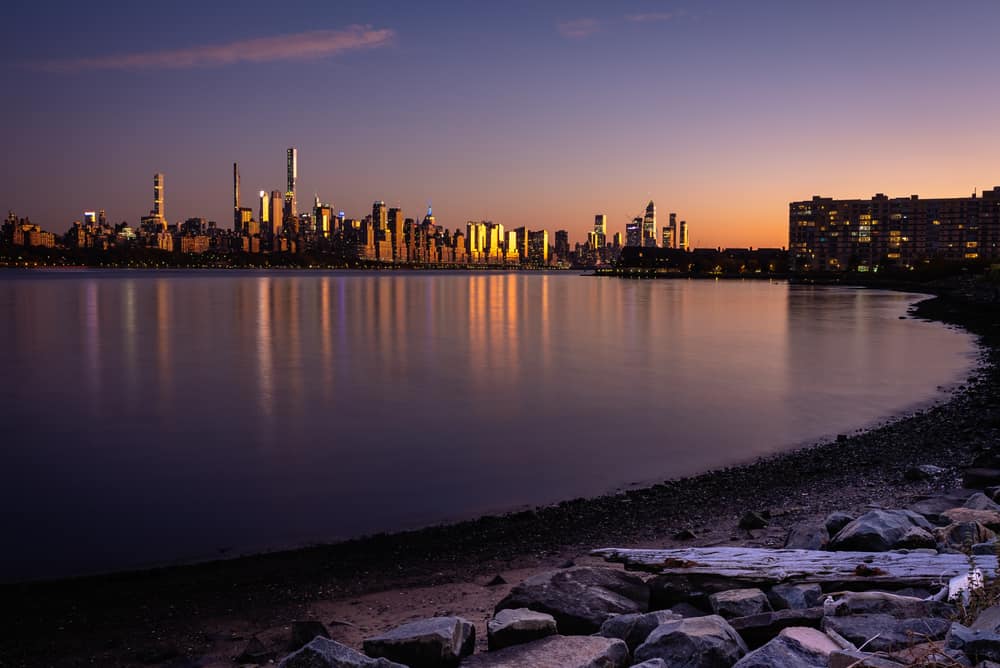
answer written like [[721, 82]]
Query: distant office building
[[156, 220], [538, 247], [683, 243], [831, 234], [562, 244], [380, 217], [674, 232], [600, 229], [277, 213], [649, 225], [265, 208], [618, 241], [323, 218], [633, 232], [236, 196], [292, 175], [668, 237], [396, 224]]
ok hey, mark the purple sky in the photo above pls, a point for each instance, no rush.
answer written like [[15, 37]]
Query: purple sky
[[526, 113]]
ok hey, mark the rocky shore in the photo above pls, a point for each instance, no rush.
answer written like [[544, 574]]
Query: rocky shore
[[359, 593]]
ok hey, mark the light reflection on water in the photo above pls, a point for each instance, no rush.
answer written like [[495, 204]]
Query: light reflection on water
[[153, 417]]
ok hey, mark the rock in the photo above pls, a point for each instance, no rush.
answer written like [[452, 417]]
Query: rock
[[652, 663], [699, 642], [496, 581], [685, 609], [852, 658], [932, 507], [883, 530], [988, 518], [989, 547], [758, 629], [634, 629], [739, 603], [515, 627], [426, 643], [580, 599], [684, 534], [977, 645], [931, 654], [794, 648], [807, 536], [254, 652], [922, 472], [980, 501], [556, 652], [794, 596], [980, 478], [671, 588], [885, 632], [988, 620], [751, 520], [836, 521], [900, 607], [325, 653], [303, 633], [992, 492], [962, 533]]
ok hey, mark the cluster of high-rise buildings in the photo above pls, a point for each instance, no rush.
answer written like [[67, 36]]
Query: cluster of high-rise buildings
[[826, 234], [276, 225]]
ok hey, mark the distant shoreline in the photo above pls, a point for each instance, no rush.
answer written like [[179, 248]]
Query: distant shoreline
[[270, 586]]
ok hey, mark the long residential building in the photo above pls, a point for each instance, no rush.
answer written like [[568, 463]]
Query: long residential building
[[826, 234]]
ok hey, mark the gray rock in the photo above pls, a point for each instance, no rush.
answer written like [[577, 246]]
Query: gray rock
[[836, 521], [977, 645], [739, 603], [426, 643], [326, 653], [851, 658], [751, 520], [699, 642], [883, 530], [758, 629], [670, 589], [580, 599], [652, 663], [988, 518], [634, 629], [807, 536], [794, 596], [980, 501], [885, 632], [515, 627], [793, 648], [885, 603], [932, 507], [556, 652], [922, 472], [303, 633], [685, 609], [964, 533], [989, 547], [988, 620]]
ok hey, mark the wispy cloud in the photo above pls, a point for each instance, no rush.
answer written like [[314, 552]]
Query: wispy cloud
[[650, 17], [578, 28], [309, 45]]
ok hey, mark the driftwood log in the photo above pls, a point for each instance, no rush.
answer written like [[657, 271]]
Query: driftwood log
[[756, 567]]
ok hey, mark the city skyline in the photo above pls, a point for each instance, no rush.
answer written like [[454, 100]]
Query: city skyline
[[710, 108]]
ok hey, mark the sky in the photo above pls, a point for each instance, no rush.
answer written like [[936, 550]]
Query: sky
[[525, 113]]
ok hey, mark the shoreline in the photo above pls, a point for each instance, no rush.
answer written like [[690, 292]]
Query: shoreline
[[268, 590]]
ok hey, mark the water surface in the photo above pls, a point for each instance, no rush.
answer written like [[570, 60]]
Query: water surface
[[151, 417]]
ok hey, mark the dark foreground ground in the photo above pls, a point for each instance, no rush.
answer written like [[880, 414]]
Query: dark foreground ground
[[199, 615]]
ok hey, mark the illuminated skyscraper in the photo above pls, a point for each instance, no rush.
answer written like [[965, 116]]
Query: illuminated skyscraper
[[276, 213], [396, 229], [265, 208], [538, 247], [683, 242], [673, 231], [236, 196], [562, 244], [668, 237], [649, 225], [155, 221], [291, 205], [600, 229], [380, 217], [633, 232]]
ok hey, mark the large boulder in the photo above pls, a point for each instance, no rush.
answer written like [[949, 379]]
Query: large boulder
[[739, 603], [326, 653], [580, 599], [883, 530], [426, 643], [756, 630], [885, 603], [988, 518], [794, 647], [794, 596], [807, 536], [698, 642], [516, 627], [836, 521], [988, 620], [977, 645], [556, 652], [980, 501], [634, 629], [960, 534], [885, 633]]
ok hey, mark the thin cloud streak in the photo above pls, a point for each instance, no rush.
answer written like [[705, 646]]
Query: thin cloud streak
[[309, 45], [578, 28], [650, 17]]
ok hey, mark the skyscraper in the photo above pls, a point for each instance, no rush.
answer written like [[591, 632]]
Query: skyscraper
[[276, 212], [600, 230], [380, 217], [562, 244], [396, 229], [155, 221], [291, 206], [683, 243], [236, 196], [649, 225], [633, 232], [673, 231], [265, 209]]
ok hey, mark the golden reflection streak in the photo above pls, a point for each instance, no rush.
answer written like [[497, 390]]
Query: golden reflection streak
[[296, 382], [131, 340], [164, 365], [92, 326], [326, 343], [265, 362]]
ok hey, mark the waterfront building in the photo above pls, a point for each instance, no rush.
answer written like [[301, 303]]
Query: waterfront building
[[600, 229], [562, 245], [277, 213], [538, 247], [668, 236], [291, 176], [323, 218], [618, 241], [683, 243], [649, 225], [396, 224], [633, 232], [380, 217], [864, 234]]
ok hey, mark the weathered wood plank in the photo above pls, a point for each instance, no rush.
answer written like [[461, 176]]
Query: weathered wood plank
[[762, 566]]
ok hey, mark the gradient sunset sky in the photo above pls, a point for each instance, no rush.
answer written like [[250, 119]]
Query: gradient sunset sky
[[525, 113]]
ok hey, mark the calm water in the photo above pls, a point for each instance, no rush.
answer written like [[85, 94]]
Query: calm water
[[155, 417]]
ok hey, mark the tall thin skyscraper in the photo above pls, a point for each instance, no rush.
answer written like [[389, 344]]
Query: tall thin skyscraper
[[674, 232], [265, 209], [649, 225], [276, 211], [236, 196], [683, 244], [380, 216], [600, 230], [292, 168]]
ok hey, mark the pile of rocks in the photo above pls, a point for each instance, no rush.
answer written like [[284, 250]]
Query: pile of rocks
[[605, 617]]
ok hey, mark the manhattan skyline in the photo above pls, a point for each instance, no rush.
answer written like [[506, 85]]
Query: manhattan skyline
[[537, 117]]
